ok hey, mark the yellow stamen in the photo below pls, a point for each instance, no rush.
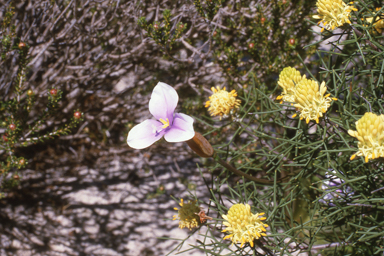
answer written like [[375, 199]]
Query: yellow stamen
[[165, 123], [242, 241]]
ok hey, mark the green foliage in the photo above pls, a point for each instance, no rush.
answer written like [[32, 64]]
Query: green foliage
[[163, 33], [208, 8], [320, 201], [17, 129]]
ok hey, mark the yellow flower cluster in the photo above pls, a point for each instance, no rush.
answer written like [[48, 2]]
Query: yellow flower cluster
[[311, 101], [333, 13], [188, 214], [222, 102], [370, 133], [288, 79], [242, 225], [378, 25], [305, 93]]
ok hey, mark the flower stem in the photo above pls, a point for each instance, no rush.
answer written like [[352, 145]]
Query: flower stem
[[240, 173]]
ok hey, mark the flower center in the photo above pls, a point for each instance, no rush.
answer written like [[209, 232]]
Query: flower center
[[165, 123], [157, 130]]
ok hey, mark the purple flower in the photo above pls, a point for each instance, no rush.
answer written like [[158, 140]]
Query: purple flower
[[175, 127], [340, 194]]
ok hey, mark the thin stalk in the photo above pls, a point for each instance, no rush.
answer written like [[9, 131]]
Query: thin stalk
[[242, 174]]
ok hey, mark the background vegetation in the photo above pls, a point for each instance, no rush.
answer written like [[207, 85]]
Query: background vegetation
[[103, 58]]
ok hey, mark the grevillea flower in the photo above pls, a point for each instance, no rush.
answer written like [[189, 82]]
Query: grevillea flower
[[333, 13], [370, 133], [311, 101], [288, 79], [378, 25], [222, 102], [175, 127], [242, 225], [188, 214]]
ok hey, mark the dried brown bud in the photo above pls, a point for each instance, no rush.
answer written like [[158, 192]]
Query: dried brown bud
[[77, 115], [53, 92], [200, 145], [22, 45]]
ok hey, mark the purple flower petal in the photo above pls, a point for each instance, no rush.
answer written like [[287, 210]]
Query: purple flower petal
[[163, 102], [181, 130], [145, 134]]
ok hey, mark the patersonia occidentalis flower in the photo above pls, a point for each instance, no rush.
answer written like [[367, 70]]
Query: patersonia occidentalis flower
[[333, 13], [370, 133], [242, 225], [332, 195], [310, 100], [288, 79], [189, 214], [222, 102], [175, 127]]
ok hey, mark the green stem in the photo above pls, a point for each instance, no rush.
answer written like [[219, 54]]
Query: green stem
[[260, 244], [240, 173]]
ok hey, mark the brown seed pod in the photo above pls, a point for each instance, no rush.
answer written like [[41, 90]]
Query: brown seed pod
[[200, 145]]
